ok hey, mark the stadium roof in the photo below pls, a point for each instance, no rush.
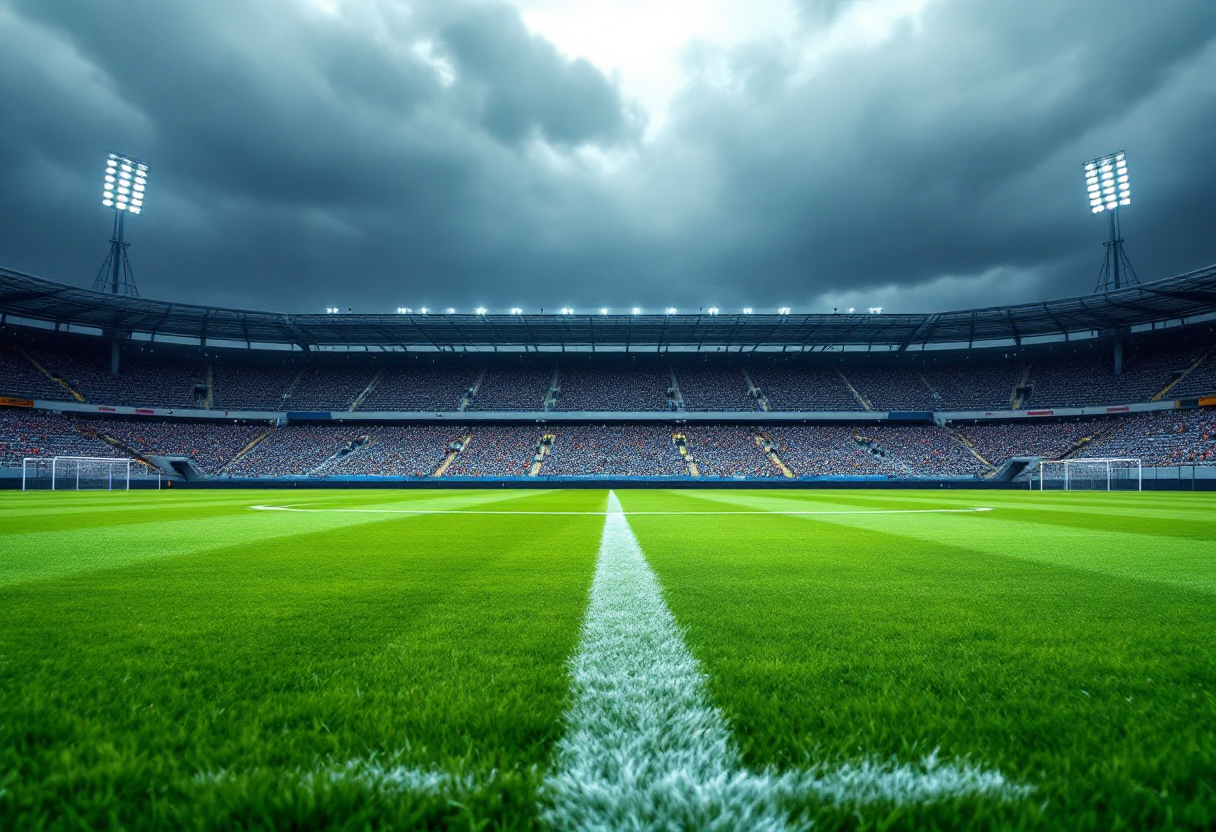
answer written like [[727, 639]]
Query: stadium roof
[[32, 300]]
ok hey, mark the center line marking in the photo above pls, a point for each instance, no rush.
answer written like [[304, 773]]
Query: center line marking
[[645, 748]]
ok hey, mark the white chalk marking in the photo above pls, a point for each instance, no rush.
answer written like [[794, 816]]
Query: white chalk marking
[[629, 513], [645, 749]]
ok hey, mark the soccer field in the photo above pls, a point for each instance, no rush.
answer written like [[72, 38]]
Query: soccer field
[[590, 660]]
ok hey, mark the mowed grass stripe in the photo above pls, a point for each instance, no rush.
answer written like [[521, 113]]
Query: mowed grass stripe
[[1113, 550], [823, 640], [43, 554], [396, 642]]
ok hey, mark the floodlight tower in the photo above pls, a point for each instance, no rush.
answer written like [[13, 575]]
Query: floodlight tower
[[1106, 180], [125, 181]]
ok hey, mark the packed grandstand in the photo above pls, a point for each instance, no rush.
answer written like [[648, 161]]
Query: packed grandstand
[[827, 408]]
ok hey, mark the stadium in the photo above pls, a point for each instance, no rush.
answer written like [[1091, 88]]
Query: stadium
[[595, 568], [200, 396]]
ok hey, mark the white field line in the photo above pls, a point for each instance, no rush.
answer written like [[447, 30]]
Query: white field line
[[645, 748], [629, 513]]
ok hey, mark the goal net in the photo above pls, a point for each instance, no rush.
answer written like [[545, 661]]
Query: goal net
[[1114, 474], [75, 473]]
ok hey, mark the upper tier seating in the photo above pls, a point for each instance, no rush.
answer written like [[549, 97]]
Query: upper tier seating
[[715, 389], [585, 388]]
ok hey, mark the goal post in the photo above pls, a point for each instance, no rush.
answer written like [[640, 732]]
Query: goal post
[[75, 473], [1099, 474]]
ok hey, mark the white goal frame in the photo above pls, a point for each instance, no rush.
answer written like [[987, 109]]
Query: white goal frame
[[66, 469], [1127, 463]]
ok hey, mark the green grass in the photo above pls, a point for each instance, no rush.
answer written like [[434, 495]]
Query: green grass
[[176, 660]]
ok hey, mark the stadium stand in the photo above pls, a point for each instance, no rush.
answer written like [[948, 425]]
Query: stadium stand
[[892, 389], [975, 384], [418, 389], [804, 389], [497, 451], [1160, 438], [27, 434], [250, 386], [714, 389], [510, 389], [210, 445], [828, 451], [397, 451], [729, 451], [328, 388], [151, 382], [1201, 381], [923, 450], [614, 450], [294, 451], [997, 442], [585, 388], [20, 378]]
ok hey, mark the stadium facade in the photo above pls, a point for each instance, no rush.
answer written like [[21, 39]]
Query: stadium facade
[[970, 397]]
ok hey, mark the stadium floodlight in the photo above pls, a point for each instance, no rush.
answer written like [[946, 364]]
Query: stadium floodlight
[[875, 310], [332, 310], [481, 310], [124, 185], [404, 310], [603, 310], [747, 310], [785, 310], [516, 310], [451, 311], [713, 310], [850, 310], [566, 310], [671, 310], [636, 311], [1109, 188], [422, 310]]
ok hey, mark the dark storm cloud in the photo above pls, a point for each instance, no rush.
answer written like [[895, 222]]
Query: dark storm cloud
[[402, 154]]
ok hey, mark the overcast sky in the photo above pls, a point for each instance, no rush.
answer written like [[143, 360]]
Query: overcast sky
[[917, 155]]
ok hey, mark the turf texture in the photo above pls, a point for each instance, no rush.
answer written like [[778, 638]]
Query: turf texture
[[180, 660]]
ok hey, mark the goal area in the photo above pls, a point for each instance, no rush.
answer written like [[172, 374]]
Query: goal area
[[75, 473], [1105, 474]]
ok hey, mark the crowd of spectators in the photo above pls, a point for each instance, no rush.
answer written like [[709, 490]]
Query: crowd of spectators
[[999, 441], [923, 450], [614, 450], [1163, 437], [397, 451], [497, 451], [1199, 382], [608, 389], [420, 388], [975, 385], [149, 382], [714, 389], [1081, 381], [328, 388], [211, 445], [512, 389], [293, 451], [828, 451], [250, 386], [893, 389], [21, 379], [28, 434], [728, 451], [804, 389]]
